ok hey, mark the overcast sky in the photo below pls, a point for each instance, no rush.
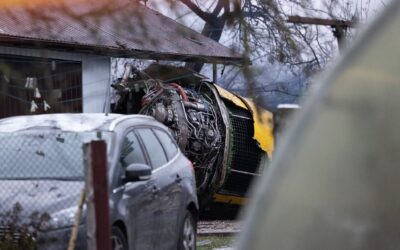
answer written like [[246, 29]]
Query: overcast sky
[[182, 14]]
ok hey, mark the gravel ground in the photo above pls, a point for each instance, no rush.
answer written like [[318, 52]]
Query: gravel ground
[[218, 227]]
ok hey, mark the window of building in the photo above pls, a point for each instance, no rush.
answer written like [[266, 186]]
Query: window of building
[[33, 85]]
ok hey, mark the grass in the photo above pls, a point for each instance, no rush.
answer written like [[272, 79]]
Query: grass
[[212, 242]]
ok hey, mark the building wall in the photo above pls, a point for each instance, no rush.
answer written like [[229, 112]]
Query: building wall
[[95, 81], [95, 73]]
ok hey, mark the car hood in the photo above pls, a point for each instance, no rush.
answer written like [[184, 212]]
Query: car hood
[[38, 196]]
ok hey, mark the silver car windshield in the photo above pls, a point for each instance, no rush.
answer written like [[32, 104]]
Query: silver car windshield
[[44, 154]]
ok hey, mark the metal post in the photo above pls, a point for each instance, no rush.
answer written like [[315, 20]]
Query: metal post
[[98, 222], [107, 101], [214, 73], [339, 33]]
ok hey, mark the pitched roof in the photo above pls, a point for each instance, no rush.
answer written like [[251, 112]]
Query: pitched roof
[[120, 28]]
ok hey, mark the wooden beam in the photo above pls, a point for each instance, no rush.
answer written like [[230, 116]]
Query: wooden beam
[[321, 21], [98, 211], [339, 26]]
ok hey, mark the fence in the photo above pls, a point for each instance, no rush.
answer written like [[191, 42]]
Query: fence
[[39, 85], [47, 200]]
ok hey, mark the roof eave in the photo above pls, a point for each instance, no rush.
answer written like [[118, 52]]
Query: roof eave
[[23, 42]]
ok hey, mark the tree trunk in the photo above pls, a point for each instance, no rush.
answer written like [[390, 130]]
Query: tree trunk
[[213, 26], [212, 31]]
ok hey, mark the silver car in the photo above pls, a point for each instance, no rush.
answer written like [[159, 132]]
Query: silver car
[[152, 192]]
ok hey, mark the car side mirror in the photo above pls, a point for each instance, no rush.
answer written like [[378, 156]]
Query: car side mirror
[[137, 172]]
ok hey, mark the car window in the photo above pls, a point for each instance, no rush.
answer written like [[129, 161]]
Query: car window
[[152, 144], [167, 142], [131, 151]]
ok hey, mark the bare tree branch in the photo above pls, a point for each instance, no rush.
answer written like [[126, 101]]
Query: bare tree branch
[[207, 17]]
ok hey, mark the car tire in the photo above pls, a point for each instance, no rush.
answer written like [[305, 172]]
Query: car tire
[[118, 239], [187, 239]]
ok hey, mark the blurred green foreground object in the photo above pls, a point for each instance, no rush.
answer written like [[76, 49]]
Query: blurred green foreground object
[[335, 180]]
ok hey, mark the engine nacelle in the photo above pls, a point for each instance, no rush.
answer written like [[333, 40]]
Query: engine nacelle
[[225, 136]]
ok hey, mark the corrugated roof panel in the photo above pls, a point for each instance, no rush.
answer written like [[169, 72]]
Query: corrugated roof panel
[[119, 25]]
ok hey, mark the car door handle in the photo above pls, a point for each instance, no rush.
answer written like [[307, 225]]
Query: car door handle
[[178, 178], [155, 190]]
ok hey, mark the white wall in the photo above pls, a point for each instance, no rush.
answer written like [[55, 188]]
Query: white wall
[[96, 82], [95, 73]]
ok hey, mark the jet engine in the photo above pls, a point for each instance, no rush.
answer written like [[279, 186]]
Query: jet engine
[[221, 133]]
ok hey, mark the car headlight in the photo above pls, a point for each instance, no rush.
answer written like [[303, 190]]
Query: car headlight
[[62, 219]]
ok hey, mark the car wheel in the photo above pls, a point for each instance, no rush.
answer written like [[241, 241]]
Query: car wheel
[[187, 240], [118, 239]]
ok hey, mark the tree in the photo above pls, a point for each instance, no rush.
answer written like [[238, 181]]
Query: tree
[[215, 20], [260, 28]]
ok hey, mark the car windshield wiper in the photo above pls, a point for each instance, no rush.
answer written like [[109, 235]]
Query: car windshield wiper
[[73, 178]]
